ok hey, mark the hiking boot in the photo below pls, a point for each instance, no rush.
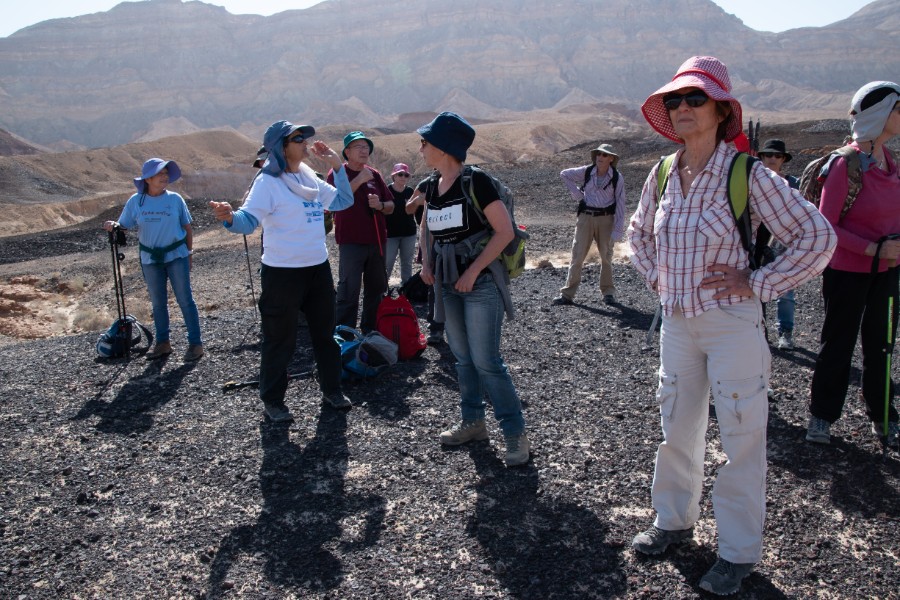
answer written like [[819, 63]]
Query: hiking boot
[[278, 413], [819, 431], [609, 299], [194, 352], [785, 341], [561, 301], [893, 437], [656, 540], [159, 350], [517, 450], [465, 431], [724, 578], [337, 400]]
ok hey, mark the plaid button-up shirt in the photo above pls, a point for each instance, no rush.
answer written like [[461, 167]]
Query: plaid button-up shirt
[[677, 239]]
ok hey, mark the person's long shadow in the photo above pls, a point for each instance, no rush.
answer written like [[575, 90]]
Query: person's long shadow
[[858, 474], [541, 546], [304, 502], [627, 316], [131, 411]]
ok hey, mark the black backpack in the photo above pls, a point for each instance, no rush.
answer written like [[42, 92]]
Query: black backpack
[[122, 337], [587, 177]]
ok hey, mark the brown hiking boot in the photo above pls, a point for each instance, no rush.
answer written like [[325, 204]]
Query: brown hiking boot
[[194, 352], [464, 432], [160, 350]]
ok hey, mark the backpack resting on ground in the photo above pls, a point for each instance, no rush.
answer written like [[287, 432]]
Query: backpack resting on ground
[[364, 356], [396, 320]]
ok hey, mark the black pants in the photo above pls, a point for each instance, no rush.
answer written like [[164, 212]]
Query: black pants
[[285, 292], [855, 304]]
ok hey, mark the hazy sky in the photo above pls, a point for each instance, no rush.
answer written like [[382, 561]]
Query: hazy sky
[[763, 15]]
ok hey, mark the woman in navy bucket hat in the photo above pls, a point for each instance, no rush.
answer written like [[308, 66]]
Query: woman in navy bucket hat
[[686, 245], [166, 245], [471, 291]]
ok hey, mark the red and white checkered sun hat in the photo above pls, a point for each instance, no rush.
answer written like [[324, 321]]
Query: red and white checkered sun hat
[[703, 72]]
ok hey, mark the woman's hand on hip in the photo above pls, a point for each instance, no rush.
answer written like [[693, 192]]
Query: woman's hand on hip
[[729, 281]]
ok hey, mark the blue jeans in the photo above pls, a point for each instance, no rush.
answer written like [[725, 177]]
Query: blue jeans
[[786, 312], [177, 271], [473, 323]]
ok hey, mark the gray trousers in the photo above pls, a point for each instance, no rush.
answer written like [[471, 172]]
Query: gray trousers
[[361, 267]]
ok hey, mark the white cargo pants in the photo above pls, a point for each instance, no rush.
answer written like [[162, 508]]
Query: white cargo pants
[[724, 348]]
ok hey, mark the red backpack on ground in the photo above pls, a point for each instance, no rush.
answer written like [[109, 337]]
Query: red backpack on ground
[[397, 321]]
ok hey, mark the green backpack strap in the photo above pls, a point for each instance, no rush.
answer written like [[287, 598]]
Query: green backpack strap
[[468, 180], [738, 193], [662, 175], [739, 197]]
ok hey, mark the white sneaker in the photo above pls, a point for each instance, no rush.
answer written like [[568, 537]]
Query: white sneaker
[[785, 341]]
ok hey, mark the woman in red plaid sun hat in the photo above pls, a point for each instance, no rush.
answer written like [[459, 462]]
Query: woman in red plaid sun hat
[[687, 247]]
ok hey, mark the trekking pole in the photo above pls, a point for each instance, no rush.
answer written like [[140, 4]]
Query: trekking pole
[[887, 382], [650, 331], [250, 275], [756, 139], [236, 385], [117, 257], [888, 347]]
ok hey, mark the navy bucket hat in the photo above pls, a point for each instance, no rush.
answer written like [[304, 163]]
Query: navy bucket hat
[[153, 167], [449, 132]]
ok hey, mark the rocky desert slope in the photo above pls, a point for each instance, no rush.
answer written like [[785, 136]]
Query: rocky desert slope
[[134, 479]]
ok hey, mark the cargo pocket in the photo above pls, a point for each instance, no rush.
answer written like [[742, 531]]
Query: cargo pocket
[[741, 404], [665, 396]]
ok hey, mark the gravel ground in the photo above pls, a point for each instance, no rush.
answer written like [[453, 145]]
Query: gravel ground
[[135, 479]]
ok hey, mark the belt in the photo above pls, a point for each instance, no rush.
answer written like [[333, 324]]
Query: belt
[[600, 212]]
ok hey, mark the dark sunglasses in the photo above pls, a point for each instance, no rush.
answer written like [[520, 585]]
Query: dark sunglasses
[[423, 141], [778, 155], [694, 99], [401, 174], [297, 139], [604, 154]]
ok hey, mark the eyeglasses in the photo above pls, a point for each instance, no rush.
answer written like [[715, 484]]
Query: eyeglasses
[[604, 154], [777, 155], [424, 142], [402, 175], [297, 139], [694, 99]]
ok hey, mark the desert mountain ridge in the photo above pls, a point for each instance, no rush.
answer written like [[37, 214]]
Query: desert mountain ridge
[[152, 68], [47, 190]]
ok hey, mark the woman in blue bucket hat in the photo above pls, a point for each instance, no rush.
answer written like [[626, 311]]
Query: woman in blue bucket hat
[[166, 245]]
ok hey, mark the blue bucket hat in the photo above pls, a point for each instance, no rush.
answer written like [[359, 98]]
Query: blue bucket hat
[[273, 142], [449, 132], [352, 137], [153, 167]]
